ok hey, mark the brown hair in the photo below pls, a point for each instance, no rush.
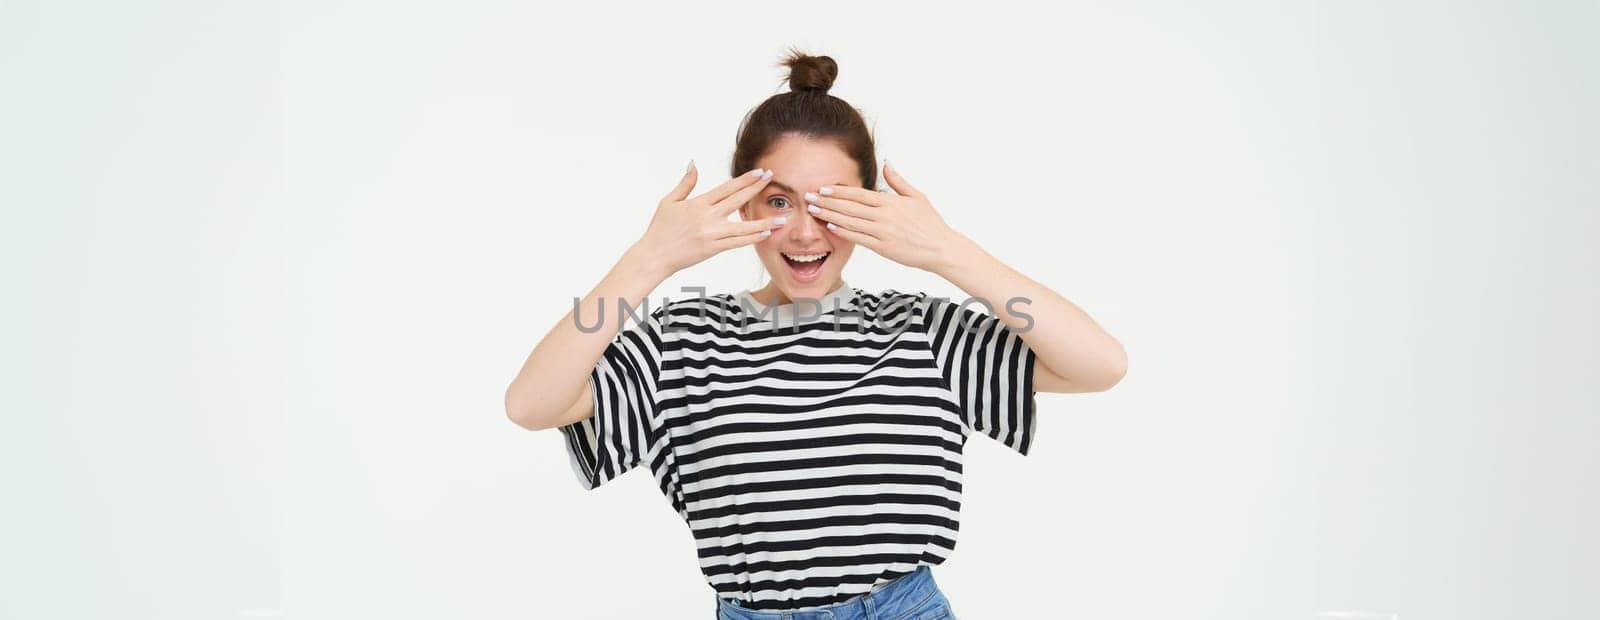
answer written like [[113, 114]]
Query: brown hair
[[807, 109]]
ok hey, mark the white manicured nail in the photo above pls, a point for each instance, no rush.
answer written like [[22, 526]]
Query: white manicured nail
[[826, 191], [813, 208]]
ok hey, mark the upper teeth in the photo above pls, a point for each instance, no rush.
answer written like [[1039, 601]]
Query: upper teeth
[[804, 258]]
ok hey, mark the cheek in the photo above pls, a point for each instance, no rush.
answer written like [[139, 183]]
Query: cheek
[[768, 247]]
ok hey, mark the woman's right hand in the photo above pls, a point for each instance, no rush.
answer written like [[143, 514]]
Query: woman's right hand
[[685, 231]]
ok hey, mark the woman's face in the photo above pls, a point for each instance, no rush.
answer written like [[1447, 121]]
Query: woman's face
[[799, 165]]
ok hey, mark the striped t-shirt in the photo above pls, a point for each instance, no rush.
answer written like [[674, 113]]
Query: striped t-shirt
[[813, 451]]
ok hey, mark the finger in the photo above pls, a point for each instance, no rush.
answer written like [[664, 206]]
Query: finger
[[847, 207], [728, 243], [848, 221], [859, 194], [721, 191], [741, 197], [681, 190], [899, 183], [856, 236], [734, 229]]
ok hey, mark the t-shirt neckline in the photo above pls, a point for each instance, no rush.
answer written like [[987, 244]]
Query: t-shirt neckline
[[786, 313]]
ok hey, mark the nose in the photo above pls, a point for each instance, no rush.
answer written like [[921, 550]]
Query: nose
[[807, 227]]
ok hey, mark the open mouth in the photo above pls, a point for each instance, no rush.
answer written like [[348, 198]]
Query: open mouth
[[805, 266]]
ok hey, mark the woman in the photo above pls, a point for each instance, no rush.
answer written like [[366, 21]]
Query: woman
[[810, 433]]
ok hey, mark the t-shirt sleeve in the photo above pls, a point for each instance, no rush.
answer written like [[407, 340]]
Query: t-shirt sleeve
[[625, 429], [989, 368]]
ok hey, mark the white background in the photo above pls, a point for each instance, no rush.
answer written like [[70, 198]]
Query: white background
[[269, 268]]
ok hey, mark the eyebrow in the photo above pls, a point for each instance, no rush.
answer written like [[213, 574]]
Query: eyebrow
[[787, 189]]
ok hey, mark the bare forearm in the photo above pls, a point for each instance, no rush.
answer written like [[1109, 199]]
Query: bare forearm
[[556, 373], [1066, 339]]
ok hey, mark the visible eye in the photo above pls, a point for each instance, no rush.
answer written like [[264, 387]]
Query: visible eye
[[778, 199]]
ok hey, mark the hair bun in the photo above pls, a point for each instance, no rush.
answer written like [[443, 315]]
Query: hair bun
[[810, 73]]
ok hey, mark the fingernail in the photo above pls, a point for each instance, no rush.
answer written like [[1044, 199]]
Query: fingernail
[[826, 191], [831, 226], [690, 166], [756, 172], [766, 233], [813, 208], [779, 221], [810, 196], [886, 165], [767, 174]]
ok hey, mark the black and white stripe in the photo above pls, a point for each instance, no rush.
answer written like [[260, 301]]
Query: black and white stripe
[[814, 459]]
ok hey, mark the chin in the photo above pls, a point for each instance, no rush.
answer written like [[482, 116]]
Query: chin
[[814, 290]]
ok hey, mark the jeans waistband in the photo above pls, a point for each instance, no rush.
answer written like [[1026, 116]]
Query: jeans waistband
[[890, 599]]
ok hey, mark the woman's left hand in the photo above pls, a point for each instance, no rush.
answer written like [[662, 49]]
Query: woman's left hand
[[903, 228]]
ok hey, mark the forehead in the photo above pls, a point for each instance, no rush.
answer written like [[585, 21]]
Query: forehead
[[802, 161]]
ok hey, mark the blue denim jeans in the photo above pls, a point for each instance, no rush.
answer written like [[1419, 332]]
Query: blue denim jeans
[[913, 596]]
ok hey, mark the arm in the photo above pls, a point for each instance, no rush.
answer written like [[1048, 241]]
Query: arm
[[551, 389], [561, 362], [1074, 353]]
